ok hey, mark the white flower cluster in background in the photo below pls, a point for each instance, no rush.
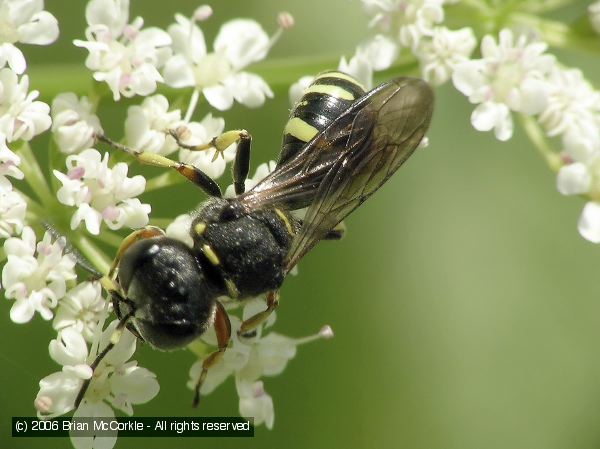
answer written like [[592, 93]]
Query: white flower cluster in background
[[513, 75], [594, 12]]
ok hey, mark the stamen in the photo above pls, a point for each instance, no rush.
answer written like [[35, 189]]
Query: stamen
[[324, 333]]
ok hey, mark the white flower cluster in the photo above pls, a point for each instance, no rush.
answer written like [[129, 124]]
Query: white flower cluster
[[249, 359], [39, 276], [24, 21], [510, 76], [417, 26], [115, 381]]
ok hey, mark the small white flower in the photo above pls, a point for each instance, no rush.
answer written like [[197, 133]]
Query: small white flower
[[101, 193], [209, 161], [410, 20], [297, 89], [35, 275], [594, 13], [219, 75], [509, 76], [81, 309], [122, 54], [23, 21], [261, 172], [147, 124], [375, 54], [255, 402], [589, 222], [115, 380], [9, 161], [249, 359], [12, 210], [573, 108], [73, 123], [180, 229], [20, 116], [440, 54]]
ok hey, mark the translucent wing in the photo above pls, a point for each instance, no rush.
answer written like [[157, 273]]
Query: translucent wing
[[387, 126]]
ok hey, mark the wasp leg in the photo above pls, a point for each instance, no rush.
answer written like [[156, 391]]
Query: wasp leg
[[114, 339], [241, 164], [256, 320], [192, 173], [223, 330], [146, 232], [337, 233]]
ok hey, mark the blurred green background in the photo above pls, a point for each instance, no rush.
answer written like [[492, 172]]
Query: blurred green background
[[465, 305]]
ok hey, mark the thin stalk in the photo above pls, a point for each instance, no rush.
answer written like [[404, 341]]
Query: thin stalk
[[91, 251], [34, 175], [540, 142]]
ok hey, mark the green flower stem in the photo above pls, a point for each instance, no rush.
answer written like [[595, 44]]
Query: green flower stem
[[91, 251], [34, 176], [540, 7], [110, 238], [540, 142], [278, 73]]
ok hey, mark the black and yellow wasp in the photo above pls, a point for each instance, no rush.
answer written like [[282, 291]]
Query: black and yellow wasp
[[340, 145]]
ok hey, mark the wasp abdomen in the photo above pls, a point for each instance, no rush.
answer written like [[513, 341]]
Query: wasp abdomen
[[330, 94]]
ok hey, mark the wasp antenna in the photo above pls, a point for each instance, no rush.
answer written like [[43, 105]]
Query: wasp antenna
[[68, 248]]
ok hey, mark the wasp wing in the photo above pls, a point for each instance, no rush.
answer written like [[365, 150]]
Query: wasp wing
[[387, 126]]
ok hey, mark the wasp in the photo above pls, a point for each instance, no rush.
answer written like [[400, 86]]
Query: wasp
[[340, 145]]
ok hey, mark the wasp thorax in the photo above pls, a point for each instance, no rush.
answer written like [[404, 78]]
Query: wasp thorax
[[174, 300], [248, 249]]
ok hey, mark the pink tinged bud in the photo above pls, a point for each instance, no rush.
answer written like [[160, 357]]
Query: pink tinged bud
[[43, 404], [202, 13], [110, 213], [285, 20], [130, 32], [76, 173], [183, 133], [125, 80], [258, 389]]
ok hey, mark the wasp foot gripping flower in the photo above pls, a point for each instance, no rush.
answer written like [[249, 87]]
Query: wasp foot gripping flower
[[250, 358], [35, 275]]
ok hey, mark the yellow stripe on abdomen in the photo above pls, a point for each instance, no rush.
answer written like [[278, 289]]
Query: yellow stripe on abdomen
[[331, 90], [300, 129]]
